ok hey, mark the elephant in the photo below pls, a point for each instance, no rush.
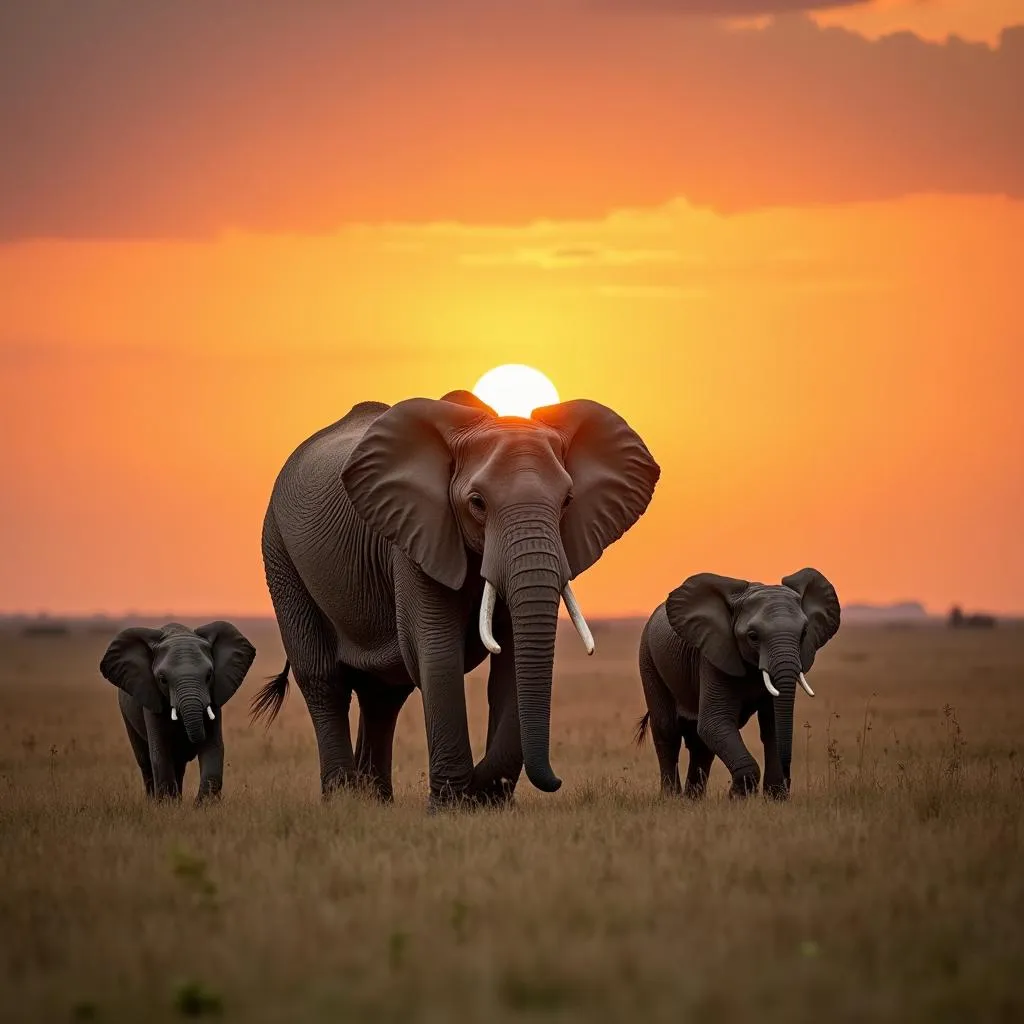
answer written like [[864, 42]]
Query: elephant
[[171, 683], [405, 544], [718, 650]]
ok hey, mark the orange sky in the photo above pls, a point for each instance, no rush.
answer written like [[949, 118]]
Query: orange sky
[[809, 305]]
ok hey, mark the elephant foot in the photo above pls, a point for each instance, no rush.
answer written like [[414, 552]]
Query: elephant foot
[[777, 789], [375, 787], [384, 794], [347, 779], [437, 804], [744, 785], [696, 784], [449, 796], [500, 793], [503, 797], [165, 796], [206, 799]]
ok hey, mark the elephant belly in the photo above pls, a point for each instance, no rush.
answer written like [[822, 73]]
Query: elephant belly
[[367, 642]]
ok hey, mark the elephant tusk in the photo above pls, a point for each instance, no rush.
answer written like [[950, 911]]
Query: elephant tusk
[[572, 606], [768, 683], [209, 712], [174, 714], [806, 685], [487, 618]]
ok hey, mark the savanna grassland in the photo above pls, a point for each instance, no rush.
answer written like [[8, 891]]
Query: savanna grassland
[[890, 888]]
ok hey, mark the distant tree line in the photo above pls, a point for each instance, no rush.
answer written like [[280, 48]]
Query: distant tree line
[[958, 620]]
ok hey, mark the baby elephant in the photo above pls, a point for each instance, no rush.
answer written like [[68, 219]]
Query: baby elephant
[[173, 681], [715, 652]]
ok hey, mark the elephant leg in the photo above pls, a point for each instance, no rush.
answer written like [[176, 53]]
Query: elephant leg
[[776, 785], [431, 624], [718, 727], [310, 645], [140, 748], [362, 750], [444, 711], [211, 763], [701, 756], [161, 756], [328, 702], [496, 774], [666, 726], [379, 708]]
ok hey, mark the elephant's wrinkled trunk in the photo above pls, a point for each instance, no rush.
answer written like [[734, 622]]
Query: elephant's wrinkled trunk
[[528, 562], [191, 704], [781, 659]]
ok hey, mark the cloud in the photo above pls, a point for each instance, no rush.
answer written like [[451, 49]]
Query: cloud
[[148, 119], [723, 8], [570, 257], [648, 291]]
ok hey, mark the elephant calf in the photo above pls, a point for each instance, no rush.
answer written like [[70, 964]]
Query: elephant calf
[[719, 650], [172, 683]]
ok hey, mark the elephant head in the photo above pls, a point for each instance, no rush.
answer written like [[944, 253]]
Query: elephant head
[[742, 627], [537, 499], [185, 672]]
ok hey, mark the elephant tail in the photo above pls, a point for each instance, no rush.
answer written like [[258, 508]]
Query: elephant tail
[[267, 703], [641, 730]]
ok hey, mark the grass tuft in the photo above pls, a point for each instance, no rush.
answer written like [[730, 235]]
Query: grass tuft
[[193, 999]]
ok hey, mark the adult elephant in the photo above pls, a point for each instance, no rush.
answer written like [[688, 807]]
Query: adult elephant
[[403, 544], [719, 650]]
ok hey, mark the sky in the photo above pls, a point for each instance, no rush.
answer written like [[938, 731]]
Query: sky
[[785, 244]]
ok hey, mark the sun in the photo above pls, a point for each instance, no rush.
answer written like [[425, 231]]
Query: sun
[[515, 390]]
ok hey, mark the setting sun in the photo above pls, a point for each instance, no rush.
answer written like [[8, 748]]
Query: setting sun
[[515, 390]]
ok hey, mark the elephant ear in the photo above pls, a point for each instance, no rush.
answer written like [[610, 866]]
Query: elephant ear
[[613, 477], [398, 479], [701, 612], [128, 664], [821, 606], [232, 657], [468, 399]]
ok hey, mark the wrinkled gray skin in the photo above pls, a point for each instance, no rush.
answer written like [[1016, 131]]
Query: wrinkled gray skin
[[380, 533], [189, 670], [702, 653]]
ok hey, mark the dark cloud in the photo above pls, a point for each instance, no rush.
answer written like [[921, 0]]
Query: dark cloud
[[146, 118], [724, 8]]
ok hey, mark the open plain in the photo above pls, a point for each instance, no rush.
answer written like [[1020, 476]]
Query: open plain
[[890, 887]]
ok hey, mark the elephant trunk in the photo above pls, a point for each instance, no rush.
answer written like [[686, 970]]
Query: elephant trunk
[[781, 660], [531, 573], [191, 704]]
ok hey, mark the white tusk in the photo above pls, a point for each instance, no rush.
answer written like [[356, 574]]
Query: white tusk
[[174, 714], [487, 618], [768, 683], [806, 685], [209, 711], [577, 619]]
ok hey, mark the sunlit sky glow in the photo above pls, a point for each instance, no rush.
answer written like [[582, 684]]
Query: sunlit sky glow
[[787, 254]]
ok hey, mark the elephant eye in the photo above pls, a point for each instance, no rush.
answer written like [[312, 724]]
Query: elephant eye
[[752, 635], [477, 503], [568, 501]]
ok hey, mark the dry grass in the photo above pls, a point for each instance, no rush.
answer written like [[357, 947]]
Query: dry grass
[[890, 888]]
